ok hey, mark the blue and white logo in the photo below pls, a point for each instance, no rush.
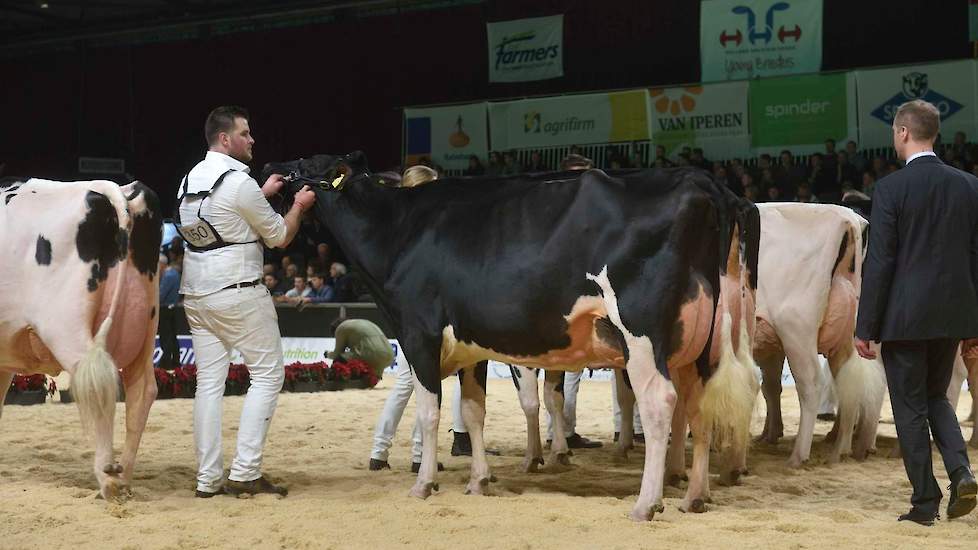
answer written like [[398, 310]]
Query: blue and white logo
[[915, 86]]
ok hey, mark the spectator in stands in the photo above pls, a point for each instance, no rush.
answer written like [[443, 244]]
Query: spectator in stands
[[751, 192], [868, 182], [536, 163], [575, 150], [820, 178], [495, 167], [683, 159], [763, 162], [879, 166], [660, 157], [720, 174], [636, 160], [272, 284], [510, 166], [857, 159], [416, 175], [746, 180], [475, 167], [324, 255], [291, 271], [576, 162], [804, 193], [286, 262], [313, 267], [735, 176], [342, 283], [321, 292], [767, 178], [844, 171], [169, 297], [697, 159], [301, 290], [891, 166], [793, 173], [774, 194], [829, 159], [269, 269], [960, 145]]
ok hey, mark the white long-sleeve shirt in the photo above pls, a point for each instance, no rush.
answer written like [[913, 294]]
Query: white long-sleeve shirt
[[240, 213]]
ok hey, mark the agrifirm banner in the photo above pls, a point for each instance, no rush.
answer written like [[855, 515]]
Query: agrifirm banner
[[712, 117], [949, 86], [447, 135], [750, 38], [567, 120], [802, 112], [526, 49]]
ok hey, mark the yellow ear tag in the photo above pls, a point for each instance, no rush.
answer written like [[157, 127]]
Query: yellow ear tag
[[336, 182]]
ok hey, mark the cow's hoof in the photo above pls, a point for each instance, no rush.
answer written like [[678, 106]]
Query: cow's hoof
[[423, 490], [620, 454], [697, 506], [478, 487], [795, 462], [562, 458], [675, 480], [646, 514], [729, 478], [112, 469], [531, 465]]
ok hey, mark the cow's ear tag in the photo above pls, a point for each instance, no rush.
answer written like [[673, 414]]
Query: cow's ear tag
[[337, 181]]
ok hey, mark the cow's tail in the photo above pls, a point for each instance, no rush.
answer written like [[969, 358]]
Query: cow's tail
[[95, 384], [860, 387], [728, 398]]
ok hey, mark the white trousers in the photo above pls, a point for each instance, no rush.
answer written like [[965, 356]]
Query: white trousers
[[243, 319], [572, 382], [390, 417], [636, 418]]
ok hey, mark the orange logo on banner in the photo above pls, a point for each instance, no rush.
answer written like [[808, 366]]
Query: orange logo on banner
[[686, 101]]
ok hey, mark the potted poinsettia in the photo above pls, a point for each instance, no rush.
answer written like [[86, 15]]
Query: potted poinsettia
[[305, 377], [352, 374], [29, 390], [238, 380]]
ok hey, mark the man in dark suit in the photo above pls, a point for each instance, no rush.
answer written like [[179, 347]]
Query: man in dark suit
[[920, 299]]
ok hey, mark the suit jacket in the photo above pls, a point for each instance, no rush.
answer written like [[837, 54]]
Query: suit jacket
[[920, 276]]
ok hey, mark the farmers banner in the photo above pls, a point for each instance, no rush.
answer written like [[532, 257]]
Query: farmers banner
[[526, 49]]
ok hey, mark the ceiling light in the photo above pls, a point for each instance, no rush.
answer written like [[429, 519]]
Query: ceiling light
[[43, 5]]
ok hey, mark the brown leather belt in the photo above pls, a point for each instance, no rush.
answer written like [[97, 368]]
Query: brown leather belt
[[243, 285]]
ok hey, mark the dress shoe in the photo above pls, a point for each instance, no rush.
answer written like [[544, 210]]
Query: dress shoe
[[576, 441], [206, 494], [828, 417], [377, 465], [254, 487], [416, 467], [462, 445], [923, 518], [963, 496]]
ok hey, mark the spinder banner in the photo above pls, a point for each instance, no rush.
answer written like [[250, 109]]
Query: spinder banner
[[802, 112], [447, 135], [712, 117], [750, 38], [949, 86], [568, 120], [526, 49]]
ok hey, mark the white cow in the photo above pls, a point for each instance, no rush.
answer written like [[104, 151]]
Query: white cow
[[79, 293], [810, 272]]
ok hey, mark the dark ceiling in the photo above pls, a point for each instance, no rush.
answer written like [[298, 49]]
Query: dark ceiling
[[25, 22]]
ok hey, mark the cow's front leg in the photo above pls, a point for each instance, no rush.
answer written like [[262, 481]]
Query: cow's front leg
[[5, 378], [553, 398], [428, 406], [525, 381], [656, 399], [140, 394], [473, 387]]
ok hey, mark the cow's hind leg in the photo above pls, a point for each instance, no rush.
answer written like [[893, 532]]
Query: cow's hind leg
[[972, 365], [690, 389], [771, 367], [473, 383], [428, 414], [626, 407], [804, 364], [140, 384], [553, 398], [527, 388], [5, 378], [676, 455]]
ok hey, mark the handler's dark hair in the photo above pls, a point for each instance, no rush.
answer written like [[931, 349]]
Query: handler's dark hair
[[221, 119]]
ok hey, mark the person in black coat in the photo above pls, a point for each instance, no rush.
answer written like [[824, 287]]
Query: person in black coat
[[920, 299]]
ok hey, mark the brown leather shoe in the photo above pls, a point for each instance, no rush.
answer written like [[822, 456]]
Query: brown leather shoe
[[254, 487]]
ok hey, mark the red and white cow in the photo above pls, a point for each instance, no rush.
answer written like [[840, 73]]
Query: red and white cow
[[810, 273], [79, 293], [966, 367]]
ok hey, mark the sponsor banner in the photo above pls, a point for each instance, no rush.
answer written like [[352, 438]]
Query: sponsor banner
[[568, 120], [801, 112], [713, 117], [526, 49], [949, 86], [741, 39], [446, 135]]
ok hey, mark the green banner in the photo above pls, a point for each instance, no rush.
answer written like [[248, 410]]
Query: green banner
[[799, 110]]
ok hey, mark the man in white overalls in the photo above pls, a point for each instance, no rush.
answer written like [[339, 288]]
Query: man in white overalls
[[224, 217]]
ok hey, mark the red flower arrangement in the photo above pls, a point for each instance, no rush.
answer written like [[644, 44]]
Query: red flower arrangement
[[182, 381], [32, 382]]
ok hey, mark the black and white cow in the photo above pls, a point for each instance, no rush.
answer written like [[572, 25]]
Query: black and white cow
[[554, 271], [79, 293]]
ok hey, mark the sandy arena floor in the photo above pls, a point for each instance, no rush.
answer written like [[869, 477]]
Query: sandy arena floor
[[319, 445]]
